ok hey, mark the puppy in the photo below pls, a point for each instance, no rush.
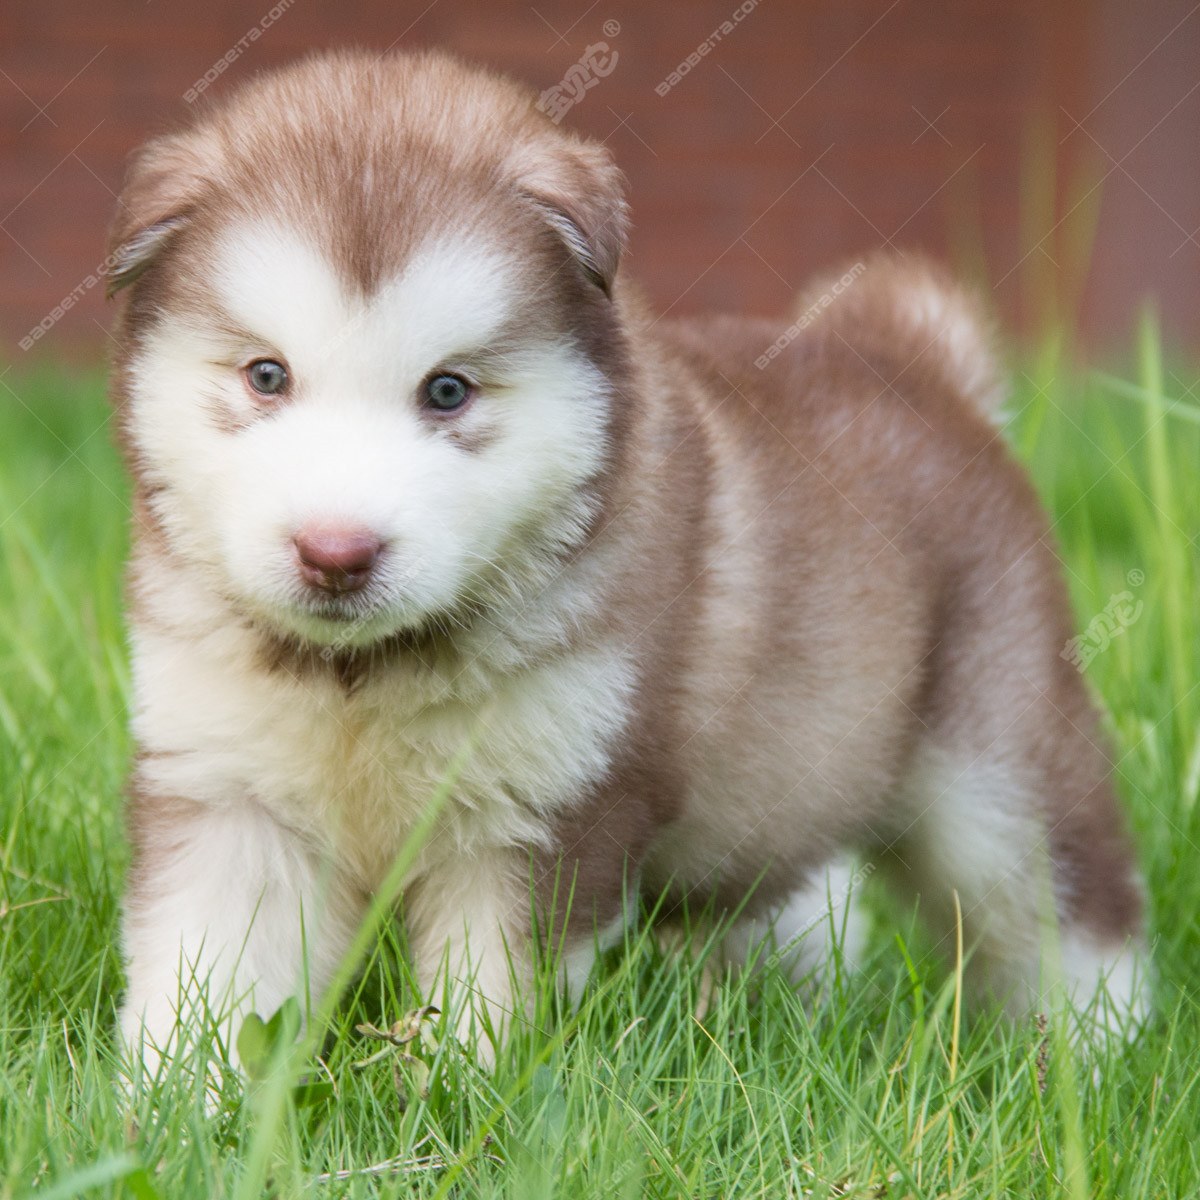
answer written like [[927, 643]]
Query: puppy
[[440, 532]]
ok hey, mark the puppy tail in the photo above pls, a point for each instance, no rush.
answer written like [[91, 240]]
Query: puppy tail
[[910, 311]]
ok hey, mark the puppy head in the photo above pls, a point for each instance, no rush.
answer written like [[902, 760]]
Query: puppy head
[[370, 345]]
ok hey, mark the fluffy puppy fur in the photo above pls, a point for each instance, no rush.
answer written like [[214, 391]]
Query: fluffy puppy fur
[[658, 614]]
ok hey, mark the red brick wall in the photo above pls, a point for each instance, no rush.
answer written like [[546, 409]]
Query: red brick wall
[[814, 130]]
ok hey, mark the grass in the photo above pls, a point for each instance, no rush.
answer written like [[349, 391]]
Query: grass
[[879, 1091]]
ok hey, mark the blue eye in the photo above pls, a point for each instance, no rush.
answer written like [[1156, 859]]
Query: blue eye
[[445, 393], [267, 377]]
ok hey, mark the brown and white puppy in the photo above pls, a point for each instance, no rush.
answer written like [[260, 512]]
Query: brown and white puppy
[[424, 493]]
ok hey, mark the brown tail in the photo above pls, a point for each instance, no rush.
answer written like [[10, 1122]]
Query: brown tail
[[915, 308]]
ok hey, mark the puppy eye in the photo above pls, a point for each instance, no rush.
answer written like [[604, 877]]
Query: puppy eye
[[267, 377], [446, 392]]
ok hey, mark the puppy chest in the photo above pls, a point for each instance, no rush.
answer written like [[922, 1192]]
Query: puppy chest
[[357, 773]]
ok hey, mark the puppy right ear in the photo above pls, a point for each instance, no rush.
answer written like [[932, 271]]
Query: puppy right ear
[[163, 184]]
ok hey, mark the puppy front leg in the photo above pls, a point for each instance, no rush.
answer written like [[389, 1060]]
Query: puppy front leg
[[227, 912], [468, 921]]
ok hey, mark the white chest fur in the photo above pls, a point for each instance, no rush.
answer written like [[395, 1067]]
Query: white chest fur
[[354, 772]]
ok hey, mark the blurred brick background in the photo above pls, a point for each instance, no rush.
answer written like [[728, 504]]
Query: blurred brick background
[[1049, 149]]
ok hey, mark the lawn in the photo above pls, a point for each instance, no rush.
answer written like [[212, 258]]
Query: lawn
[[877, 1091]]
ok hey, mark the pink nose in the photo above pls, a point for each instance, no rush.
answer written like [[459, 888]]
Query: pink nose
[[337, 558]]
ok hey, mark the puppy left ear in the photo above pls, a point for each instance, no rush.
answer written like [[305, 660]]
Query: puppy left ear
[[581, 194]]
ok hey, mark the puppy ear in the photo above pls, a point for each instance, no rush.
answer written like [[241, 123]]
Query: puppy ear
[[164, 182], [581, 194]]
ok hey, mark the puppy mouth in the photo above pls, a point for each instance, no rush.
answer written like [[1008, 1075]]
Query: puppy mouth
[[352, 618], [329, 620], [349, 609]]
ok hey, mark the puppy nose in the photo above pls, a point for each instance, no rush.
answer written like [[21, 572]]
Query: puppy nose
[[337, 558]]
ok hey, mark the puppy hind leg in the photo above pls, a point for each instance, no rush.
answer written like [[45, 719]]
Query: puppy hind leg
[[804, 933], [981, 830], [969, 853], [1101, 955]]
